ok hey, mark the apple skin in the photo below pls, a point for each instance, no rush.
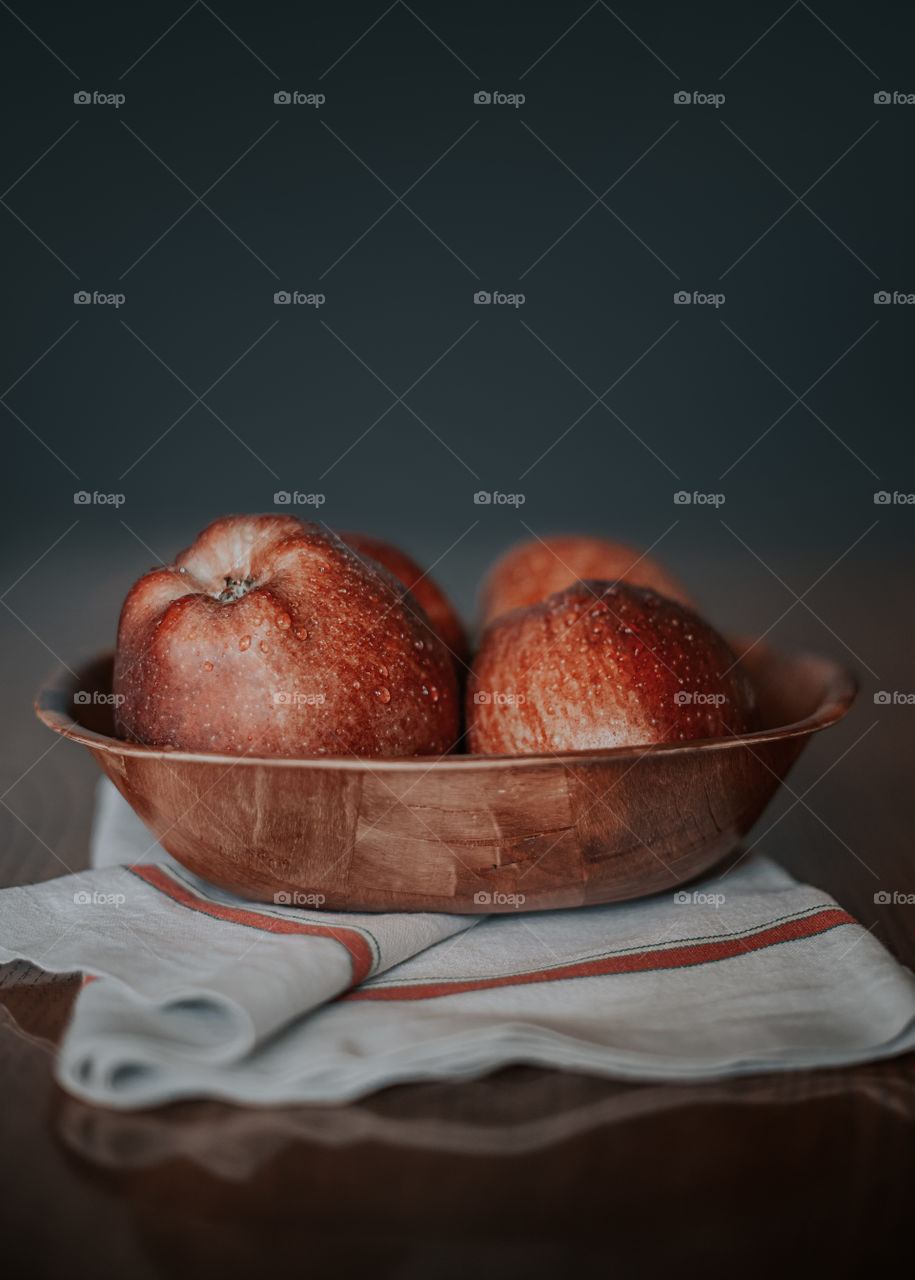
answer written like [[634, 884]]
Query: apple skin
[[538, 568], [442, 613], [600, 665], [269, 636]]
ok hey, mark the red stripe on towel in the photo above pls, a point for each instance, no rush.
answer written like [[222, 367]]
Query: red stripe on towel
[[357, 946], [638, 962]]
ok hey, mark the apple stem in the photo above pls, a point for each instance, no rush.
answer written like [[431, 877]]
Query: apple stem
[[234, 589]]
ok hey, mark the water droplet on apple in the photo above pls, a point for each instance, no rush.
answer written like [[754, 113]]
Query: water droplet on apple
[[264, 647], [384, 694], [383, 671], [284, 622], [208, 666], [244, 643], [302, 633]]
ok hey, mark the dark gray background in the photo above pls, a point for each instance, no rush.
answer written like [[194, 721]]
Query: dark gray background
[[105, 208], [598, 99]]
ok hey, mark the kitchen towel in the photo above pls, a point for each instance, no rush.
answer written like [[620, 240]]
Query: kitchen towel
[[192, 992]]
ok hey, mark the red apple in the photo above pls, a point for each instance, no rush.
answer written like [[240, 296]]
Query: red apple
[[602, 665], [536, 569], [441, 611], [269, 636]]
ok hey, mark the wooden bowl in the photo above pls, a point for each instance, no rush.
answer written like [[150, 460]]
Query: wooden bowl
[[475, 834]]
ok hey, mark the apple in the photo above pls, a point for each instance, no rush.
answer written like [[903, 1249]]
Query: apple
[[602, 665], [536, 569], [269, 636], [441, 611]]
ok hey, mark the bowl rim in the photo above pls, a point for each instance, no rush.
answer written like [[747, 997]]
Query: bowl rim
[[840, 688]]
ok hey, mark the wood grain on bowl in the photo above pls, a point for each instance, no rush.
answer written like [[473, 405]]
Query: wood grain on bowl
[[461, 833]]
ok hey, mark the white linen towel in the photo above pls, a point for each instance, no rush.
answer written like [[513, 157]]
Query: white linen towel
[[197, 993]]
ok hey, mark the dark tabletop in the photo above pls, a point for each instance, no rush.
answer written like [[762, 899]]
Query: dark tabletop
[[514, 1175]]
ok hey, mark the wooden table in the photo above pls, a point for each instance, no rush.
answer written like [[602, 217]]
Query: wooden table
[[525, 1174]]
